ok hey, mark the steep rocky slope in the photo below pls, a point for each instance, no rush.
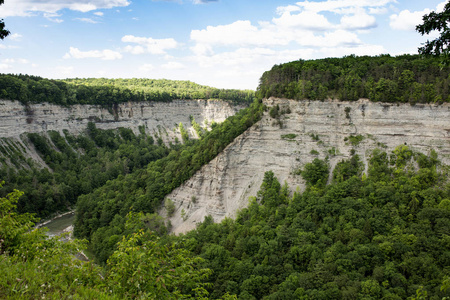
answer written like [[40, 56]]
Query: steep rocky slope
[[307, 130], [159, 119]]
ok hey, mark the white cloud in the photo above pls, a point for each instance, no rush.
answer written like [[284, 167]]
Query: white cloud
[[341, 6], [30, 7], [98, 13], [5, 67], [407, 20], [102, 54], [359, 20], [53, 17], [173, 65], [239, 33], [147, 67], [148, 45], [378, 10], [306, 19], [64, 70], [15, 37], [13, 61], [87, 20]]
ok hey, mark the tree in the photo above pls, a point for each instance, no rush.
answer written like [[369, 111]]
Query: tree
[[3, 32], [437, 21]]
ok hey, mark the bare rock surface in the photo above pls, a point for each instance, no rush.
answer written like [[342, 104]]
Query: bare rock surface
[[307, 130], [159, 119], [16, 118]]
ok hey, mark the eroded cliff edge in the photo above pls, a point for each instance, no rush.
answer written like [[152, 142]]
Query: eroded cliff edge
[[307, 129], [159, 119]]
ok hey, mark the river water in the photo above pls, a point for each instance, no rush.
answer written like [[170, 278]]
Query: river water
[[60, 224]]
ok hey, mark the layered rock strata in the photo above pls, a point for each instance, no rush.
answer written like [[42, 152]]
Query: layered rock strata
[[159, 119], [306, 130]]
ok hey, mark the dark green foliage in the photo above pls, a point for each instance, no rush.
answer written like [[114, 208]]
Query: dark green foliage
[[34, 266], [316, 172], [145, 189], [3, 32], [376, 237], [345, 169], [406, 79], [79, 164], [102, 91], [289, 136], [440, 22]]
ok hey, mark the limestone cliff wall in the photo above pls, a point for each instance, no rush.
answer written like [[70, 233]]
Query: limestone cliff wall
[[16, 118], [225, 184]]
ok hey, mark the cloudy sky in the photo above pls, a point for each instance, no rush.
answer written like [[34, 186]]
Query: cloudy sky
[[221, 43]]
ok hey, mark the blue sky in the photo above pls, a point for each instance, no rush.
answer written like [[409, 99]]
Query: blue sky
[[221, 43]]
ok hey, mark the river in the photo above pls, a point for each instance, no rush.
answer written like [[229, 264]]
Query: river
[[60, 224]]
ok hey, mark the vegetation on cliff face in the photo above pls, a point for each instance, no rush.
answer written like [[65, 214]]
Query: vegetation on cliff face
[[384, 234], [101, 91], [101, 214], [403, 79], [78, 165], [33, 266]]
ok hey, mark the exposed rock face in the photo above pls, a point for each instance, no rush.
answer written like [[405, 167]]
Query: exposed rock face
[[311, 129], [159, 119], [16, 118]]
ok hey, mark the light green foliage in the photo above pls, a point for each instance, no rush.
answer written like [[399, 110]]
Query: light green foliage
[[37, 267], [78, 165], [184, 133], [350, 239], [12, 225], [183, 214], [356, 139], [144, 268], [110, 92], [351, 78], [170, 206], [101, 214], [198, 129]]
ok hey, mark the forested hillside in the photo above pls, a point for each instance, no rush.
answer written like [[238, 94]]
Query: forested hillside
[[383, 235], [33, 89], [78, 165], [101, 215], [380, 235], [404, 79]]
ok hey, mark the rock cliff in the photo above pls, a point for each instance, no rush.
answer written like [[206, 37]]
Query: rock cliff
[[158, 118], [306, 129]]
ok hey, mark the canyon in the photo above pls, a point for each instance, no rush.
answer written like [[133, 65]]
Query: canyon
[[298, 133], [306, 130]]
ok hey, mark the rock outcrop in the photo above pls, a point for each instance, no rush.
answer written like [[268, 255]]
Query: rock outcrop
[[158, 119], [306, 130], [16, 118]]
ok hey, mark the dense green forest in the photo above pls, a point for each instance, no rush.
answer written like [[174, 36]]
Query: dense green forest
[[384, 234], [405, 79], [101, 91], [101, 215], [78, 165]]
